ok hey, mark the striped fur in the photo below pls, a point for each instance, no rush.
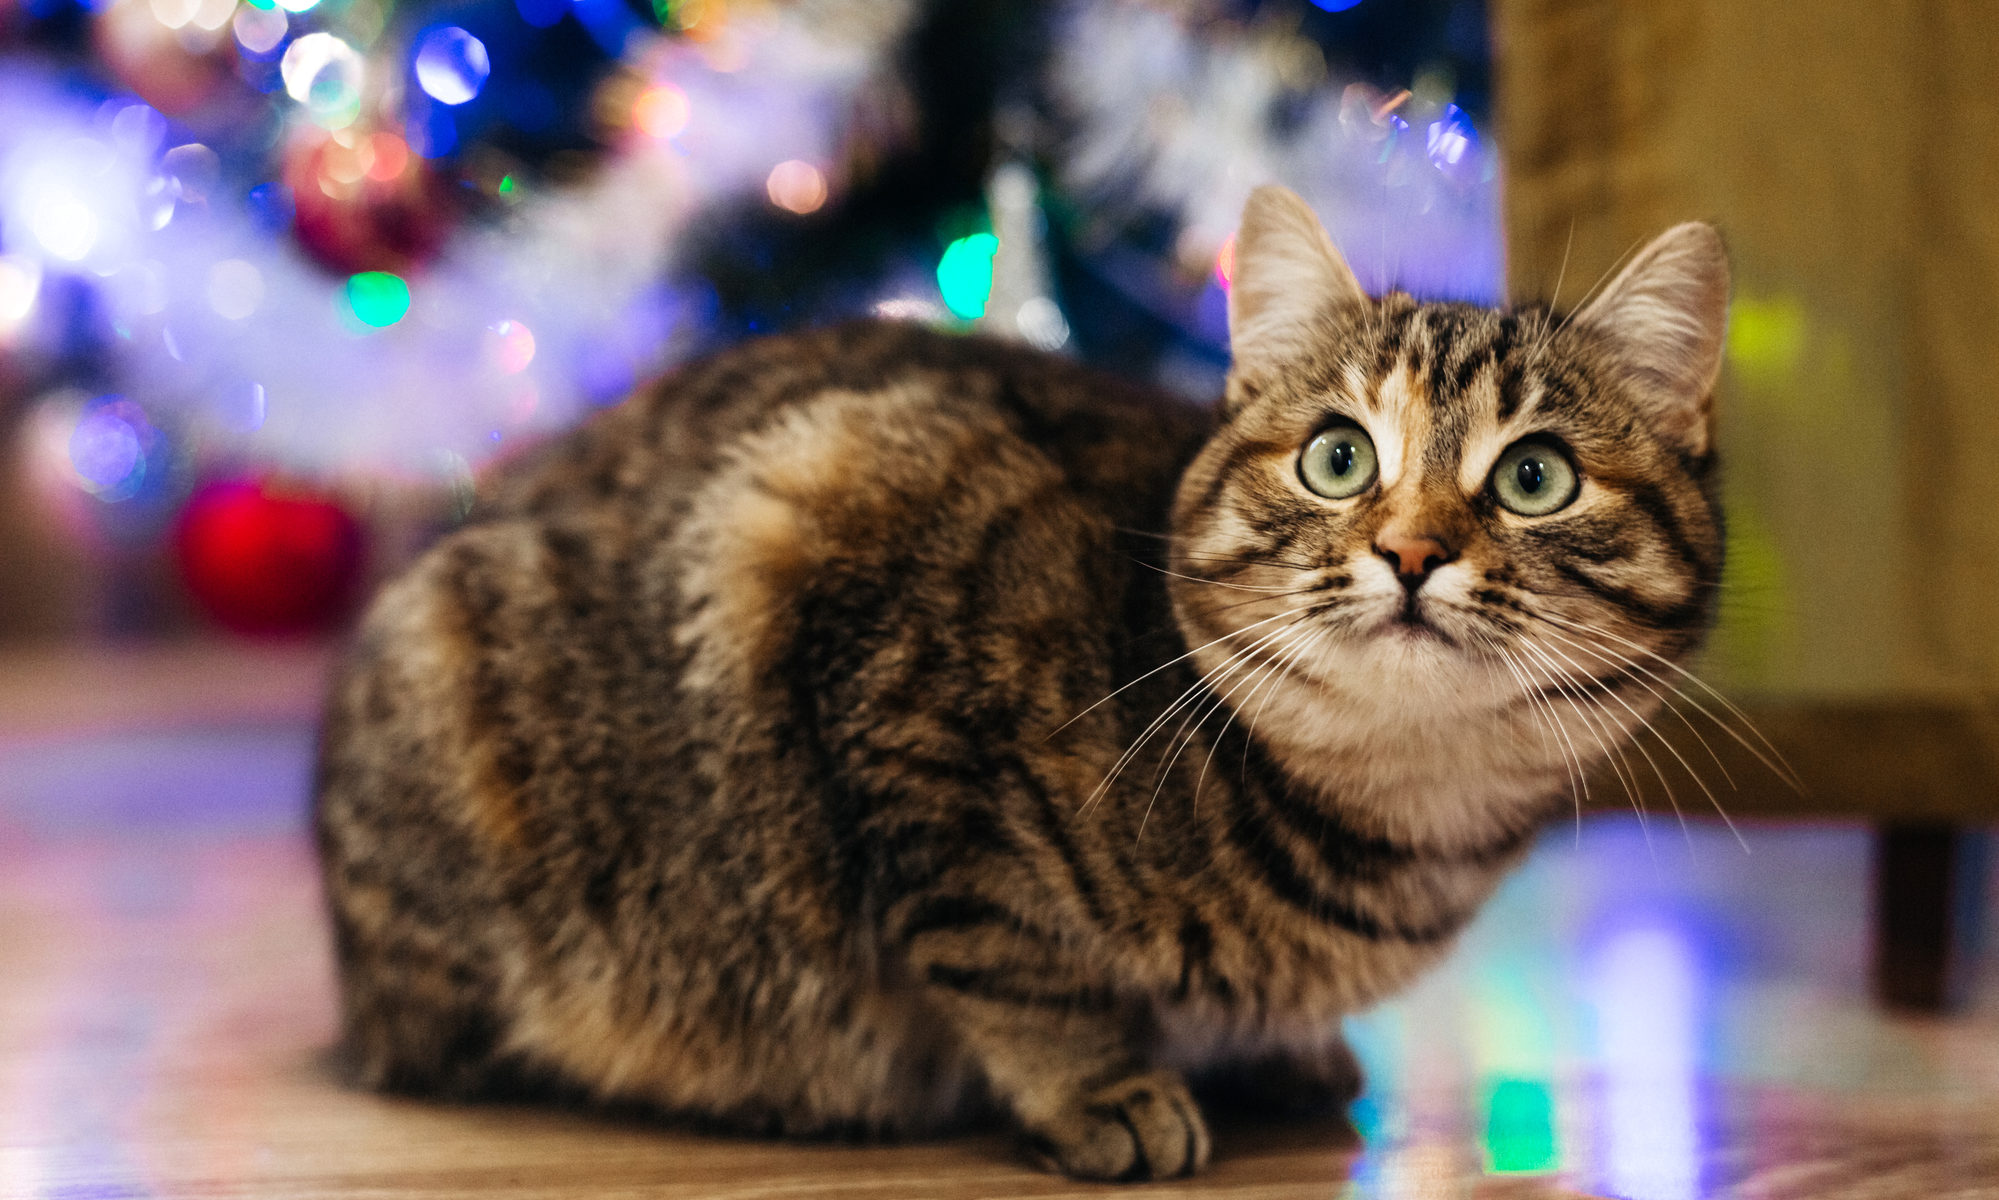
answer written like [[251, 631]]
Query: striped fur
[[760, 756]]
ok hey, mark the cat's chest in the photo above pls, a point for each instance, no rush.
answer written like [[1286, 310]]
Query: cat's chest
[[1284, 993]]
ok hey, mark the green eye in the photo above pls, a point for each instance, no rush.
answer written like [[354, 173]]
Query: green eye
[[1338, 462], [1533, 478]]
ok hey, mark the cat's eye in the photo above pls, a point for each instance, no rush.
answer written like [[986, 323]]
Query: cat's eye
[[1534, 478], [1338, 462]]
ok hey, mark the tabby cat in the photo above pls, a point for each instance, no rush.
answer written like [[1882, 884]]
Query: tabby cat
[[872, 728]]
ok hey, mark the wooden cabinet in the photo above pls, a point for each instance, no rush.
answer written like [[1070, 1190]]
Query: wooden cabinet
[[1849, 152]]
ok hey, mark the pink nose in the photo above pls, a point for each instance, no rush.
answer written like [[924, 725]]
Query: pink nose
[[1411, 554]]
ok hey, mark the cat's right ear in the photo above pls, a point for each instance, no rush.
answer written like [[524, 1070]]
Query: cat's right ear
[[1287, 277], [1666, 316]]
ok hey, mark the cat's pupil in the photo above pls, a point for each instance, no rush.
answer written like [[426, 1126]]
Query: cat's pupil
[[1342, 458], [1531, 475]]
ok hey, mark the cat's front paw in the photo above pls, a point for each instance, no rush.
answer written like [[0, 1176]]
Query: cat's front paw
[[1141, 1127]]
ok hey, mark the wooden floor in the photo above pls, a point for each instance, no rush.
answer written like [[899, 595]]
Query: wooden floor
[[1641, 1013]]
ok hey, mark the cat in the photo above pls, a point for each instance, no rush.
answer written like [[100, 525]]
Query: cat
[[869, 730]]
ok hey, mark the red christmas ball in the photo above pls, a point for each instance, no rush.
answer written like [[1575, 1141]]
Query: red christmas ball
[[269, 562], [366, 202]]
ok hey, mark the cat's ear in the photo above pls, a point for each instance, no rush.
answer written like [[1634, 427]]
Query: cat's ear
[[1666, 315], [1287, 275]]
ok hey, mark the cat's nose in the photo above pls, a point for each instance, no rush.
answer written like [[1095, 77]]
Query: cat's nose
[[1413, 555]]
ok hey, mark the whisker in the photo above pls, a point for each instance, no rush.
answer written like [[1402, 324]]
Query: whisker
[[1240, 587], [1779, 767], [1549, 737], [1712, 798], [1250, 736], [1643, 725], [1572, 758], [1282, 661], [1560, 681], [1231, 607], [1601, 280], [1219, 698], [1162, 666], [1159, 721]]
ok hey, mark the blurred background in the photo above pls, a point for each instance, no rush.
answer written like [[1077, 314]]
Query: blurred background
[[280, 278]]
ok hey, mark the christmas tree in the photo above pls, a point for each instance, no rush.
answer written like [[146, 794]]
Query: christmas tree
[[265, 262]]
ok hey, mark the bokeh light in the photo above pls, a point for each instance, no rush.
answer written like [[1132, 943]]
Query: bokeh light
[[109, 448], [324, 74], [1451, 137], [1647, 988], [965, 274], [271, 206], [1041, 323], [796, 186], [235, 289], [20, 283], [139, 129], [377, 298], [1225, 263], [1336, 5], [1520, 1127], [661, 111], [260, 30], [195, 170], [392, 157], [510, 344], [452, 65], [298, 6], [542, 14]]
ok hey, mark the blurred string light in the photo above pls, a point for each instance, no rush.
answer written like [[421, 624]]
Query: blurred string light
[[112, 447], [965, 274], [182, 278], [510, 345], [20, 283], [260, 30], [326, 75], [661, 111], [1337, 5], [1170, 115], [452, 65], [796, 186], [1646, 987], [378, 299], [1514, 1047]]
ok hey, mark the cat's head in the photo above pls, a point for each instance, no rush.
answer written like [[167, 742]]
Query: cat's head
[[1449, 509]]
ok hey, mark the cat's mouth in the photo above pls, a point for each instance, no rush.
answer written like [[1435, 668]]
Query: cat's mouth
[[1409, 623]]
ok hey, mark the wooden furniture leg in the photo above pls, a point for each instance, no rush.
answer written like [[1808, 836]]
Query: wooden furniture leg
[[1927, 900]]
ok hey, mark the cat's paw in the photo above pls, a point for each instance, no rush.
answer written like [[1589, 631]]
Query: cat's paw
[[1141, 1127]]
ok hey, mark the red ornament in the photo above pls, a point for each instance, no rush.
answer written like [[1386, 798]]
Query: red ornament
[[365, 202], [266, 562]]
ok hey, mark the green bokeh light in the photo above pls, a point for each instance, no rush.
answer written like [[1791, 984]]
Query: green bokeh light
[[378, 298], [965, 274], [1520, 1127], [1767, 336]]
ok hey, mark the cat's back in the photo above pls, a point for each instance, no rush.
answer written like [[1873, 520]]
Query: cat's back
[[1108, 438]]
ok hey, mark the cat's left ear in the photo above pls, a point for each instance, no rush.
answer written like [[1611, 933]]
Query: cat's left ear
[[1666, 315], [1287, 277]]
